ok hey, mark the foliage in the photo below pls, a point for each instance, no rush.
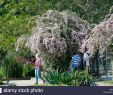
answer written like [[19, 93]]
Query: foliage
[[28, 70], [18, 16], [80, 79], [1, 83], [53, 77], [11, 67], [1, 73], [57, 36], [26, 56], [1, 76], [2, 54], [91, 10], [103, 35], [73, 79]]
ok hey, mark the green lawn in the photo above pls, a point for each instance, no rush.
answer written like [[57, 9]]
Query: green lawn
[[48, 85], [107, 82]]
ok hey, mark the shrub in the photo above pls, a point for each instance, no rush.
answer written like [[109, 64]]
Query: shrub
[[28, 70], [1, 83], [11, 67], [73, 79], [1, 73], [80, 79], [57, 36], [2, 54], [53, 77], [1, 76]]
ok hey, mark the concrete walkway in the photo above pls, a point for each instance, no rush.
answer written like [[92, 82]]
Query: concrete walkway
[[32, 82], [103, 84], [22, 82]]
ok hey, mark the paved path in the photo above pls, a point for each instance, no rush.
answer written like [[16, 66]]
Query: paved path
[[32, 82], [23, 82], [103, 84]]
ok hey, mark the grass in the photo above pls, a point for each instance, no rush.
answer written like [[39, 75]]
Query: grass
[[107, 82], [49, 85]]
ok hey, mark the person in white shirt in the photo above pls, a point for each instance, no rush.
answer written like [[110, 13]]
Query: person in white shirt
[[86, 61]]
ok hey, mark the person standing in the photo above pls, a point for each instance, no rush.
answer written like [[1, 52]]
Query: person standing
[[38, 67], [86, 61], [75, 62]]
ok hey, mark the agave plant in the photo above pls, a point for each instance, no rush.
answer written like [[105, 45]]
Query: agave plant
[[53, 77], [73, 79], [66, 78]]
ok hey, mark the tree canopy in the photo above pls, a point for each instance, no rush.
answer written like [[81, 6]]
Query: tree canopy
[[18, 17]]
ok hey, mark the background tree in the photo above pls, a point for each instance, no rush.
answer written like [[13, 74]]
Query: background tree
[[18, 17], [57, 37]]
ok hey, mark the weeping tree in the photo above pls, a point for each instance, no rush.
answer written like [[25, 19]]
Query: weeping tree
[[57, 37], [100, 38]]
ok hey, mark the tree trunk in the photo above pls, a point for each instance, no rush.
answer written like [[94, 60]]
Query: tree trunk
[[97, 62]]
